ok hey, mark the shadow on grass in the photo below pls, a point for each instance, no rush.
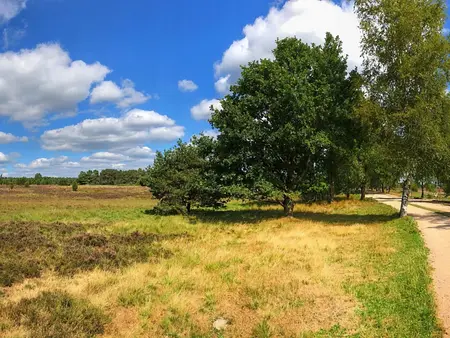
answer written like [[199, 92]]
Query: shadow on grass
[[256, 216]]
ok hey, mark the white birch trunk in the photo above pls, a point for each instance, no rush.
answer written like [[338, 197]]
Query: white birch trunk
[[405, 199]]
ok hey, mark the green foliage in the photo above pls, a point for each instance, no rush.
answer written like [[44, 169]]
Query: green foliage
[[93, 177], [112, 177], [406, 68], [38, 179], [414, 187], [286, 118], [75, 186], [183, 177], [58, 315]]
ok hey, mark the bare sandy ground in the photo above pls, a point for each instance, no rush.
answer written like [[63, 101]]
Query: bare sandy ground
[[436, 233]]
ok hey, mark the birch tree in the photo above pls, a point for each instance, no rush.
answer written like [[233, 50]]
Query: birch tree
[[405, 67]]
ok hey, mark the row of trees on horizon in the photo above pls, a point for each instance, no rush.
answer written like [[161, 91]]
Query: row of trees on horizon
[[90, 177]]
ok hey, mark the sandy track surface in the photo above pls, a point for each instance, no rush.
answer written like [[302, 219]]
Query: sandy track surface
[[436, 233]]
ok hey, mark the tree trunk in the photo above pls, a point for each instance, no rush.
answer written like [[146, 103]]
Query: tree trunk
[[348, 195], [188, 207], [405, 198], [423, 190], [332, 192], [288, 206], [389, 190], [382, 188], [363, 192]]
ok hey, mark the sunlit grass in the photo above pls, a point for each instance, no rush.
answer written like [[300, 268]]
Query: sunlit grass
[[346, 269]]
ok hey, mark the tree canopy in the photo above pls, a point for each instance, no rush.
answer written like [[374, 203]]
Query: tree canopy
[[406, 65], [287, 120]]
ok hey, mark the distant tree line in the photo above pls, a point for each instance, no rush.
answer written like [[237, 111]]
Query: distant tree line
[[38, 179], [90, 177], [111, 177]]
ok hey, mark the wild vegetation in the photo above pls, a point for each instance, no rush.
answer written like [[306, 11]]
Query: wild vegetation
[[303, 124], [349, 268], [300, 130]]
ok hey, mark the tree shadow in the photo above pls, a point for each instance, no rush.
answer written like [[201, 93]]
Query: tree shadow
[[419, 200], [437, 219], [257, 216]]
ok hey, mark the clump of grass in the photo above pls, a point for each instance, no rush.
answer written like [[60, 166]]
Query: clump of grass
[[58, 315], [133, 297], [176, 321], [262, 330], [28, 248]]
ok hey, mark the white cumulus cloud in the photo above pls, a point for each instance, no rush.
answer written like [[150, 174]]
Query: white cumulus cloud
[[124, 97], [222, 85], [202, 111], [140, 152], [10, 138], [135, 128], [10, 8], [4, 158], [187, 86], [308, 20], [37, 82]]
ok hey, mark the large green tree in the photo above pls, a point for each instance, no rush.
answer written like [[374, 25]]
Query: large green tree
[[406, 63], [286, 119]]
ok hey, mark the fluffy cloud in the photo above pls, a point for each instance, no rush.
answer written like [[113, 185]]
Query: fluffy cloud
[[43, 163], [223, 84], [45, 80], [4, 158], [8, 158], [122, 157], [202, 111], [124, 97], [308, 20], [187, 86], [10, 138], [140, 153], [136, 127], [105, 157], [10, 8]]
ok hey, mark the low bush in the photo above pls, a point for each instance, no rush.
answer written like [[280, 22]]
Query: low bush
[[58, 315], [29, 248]]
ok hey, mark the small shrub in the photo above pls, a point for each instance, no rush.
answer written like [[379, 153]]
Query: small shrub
[[11, 186], [27, 184], [58, 315], [75, 186], [165, 209], [414, 187]]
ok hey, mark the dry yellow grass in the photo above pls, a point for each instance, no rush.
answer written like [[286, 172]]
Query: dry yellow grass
[[289, 276]]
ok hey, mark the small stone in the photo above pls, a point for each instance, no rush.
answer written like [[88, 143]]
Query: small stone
[[220, 324]]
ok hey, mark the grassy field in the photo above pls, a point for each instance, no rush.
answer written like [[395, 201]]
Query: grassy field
[[93, 262]]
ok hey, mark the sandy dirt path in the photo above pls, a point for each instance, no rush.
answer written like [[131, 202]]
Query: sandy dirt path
[[436, 233]]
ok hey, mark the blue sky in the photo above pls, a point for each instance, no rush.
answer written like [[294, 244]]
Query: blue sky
[[105, 83]]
